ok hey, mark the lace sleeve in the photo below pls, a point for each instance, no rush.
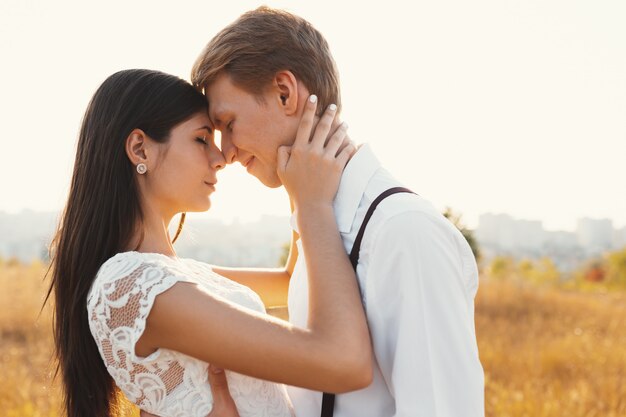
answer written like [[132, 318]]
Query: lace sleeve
[[118, 306]]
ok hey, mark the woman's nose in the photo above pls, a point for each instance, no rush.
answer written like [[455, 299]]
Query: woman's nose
[[218, 162]]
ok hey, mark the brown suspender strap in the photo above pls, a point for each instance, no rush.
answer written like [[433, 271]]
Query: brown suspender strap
[[328, 400], [356, 248], [328, 405]]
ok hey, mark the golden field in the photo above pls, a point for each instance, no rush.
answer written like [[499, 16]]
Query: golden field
[[546, 351]]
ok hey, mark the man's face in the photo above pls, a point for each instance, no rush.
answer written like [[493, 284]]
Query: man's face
[[251, 130]]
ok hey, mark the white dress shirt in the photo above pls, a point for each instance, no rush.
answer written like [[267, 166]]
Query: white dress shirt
[[418, 278]]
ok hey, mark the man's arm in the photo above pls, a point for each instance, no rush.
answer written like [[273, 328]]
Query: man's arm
[[272, 285], [419, 301]]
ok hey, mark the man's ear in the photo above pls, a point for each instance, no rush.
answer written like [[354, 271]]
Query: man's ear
[[136, 144], [286, 87]]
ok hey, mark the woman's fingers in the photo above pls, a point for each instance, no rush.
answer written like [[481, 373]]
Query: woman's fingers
[[282, 159], [345, 154], [333, 128], [318, 159], [335, 141], [306, 122], [323, 127]]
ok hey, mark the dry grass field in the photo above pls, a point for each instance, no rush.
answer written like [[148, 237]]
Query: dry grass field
[[550, 352], [546, 352]]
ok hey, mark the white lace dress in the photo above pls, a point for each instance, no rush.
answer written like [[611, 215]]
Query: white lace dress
[[168, 383]]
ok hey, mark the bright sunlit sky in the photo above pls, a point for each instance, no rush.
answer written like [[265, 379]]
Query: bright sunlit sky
[[484, 106]]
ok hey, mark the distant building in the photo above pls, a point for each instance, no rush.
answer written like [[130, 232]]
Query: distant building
[[502, 235], [503, 231], [560, 239], [595, 235], [619, 238], [495, 230], [530, 234], [563, 248], [255, 244], [26, 236]]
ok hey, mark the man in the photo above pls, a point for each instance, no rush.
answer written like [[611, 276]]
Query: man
[[417, 274]]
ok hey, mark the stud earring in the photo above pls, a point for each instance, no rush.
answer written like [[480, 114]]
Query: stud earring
[[142, 168]]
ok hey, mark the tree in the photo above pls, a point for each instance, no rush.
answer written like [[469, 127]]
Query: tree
[[468, 234], [284, 254], [547, 271], [616, 269], [501, 268], [527, 270]]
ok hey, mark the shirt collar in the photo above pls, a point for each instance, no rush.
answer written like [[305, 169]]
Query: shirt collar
[[354, 180]]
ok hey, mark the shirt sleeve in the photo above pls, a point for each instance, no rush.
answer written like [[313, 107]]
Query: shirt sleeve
[[419, 298], [118, 308]]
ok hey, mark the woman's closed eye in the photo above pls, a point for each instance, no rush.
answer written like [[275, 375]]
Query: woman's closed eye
[[202, 140]]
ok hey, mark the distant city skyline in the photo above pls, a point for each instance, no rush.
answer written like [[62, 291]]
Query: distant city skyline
[[501, 234], [483, 106], [261, 243], [236, 219]]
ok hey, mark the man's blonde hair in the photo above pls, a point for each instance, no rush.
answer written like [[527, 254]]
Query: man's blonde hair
[[261, 43]]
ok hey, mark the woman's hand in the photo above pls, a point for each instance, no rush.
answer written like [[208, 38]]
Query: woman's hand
[[223, 404], [311, 169]]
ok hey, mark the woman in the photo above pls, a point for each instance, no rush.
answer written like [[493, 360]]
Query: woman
[[131, 315]]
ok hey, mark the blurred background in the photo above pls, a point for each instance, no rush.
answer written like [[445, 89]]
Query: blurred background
[[508, 115]]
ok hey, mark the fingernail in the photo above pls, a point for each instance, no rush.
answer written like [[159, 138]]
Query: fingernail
[[332, 107], [313, 98]]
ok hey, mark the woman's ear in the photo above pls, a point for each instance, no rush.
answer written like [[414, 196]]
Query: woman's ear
[[136, 144], [286, 87]]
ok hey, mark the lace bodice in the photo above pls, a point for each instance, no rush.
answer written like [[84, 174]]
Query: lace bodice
[[167, 383]]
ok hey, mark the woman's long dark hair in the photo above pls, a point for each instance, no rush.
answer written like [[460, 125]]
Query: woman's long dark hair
[[102, 213]]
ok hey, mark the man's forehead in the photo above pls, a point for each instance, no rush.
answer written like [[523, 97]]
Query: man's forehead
[[216, 95], [221, 85], [216, 107]]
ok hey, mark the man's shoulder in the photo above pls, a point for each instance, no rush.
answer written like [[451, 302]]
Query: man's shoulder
[[409, 204], [403, 214]]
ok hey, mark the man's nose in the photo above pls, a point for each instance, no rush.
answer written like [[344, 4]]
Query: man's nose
[[229, 149]]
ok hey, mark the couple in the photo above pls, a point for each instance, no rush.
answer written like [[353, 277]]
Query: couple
[[390, 329]]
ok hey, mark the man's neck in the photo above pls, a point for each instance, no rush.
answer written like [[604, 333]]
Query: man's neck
[[343, 145]]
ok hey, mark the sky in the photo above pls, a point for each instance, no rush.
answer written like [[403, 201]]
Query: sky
[[494, 106]]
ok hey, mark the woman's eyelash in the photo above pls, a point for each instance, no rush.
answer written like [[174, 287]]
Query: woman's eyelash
[[203, 140]]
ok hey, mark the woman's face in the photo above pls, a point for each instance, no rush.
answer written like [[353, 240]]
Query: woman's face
[[186, 168]]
